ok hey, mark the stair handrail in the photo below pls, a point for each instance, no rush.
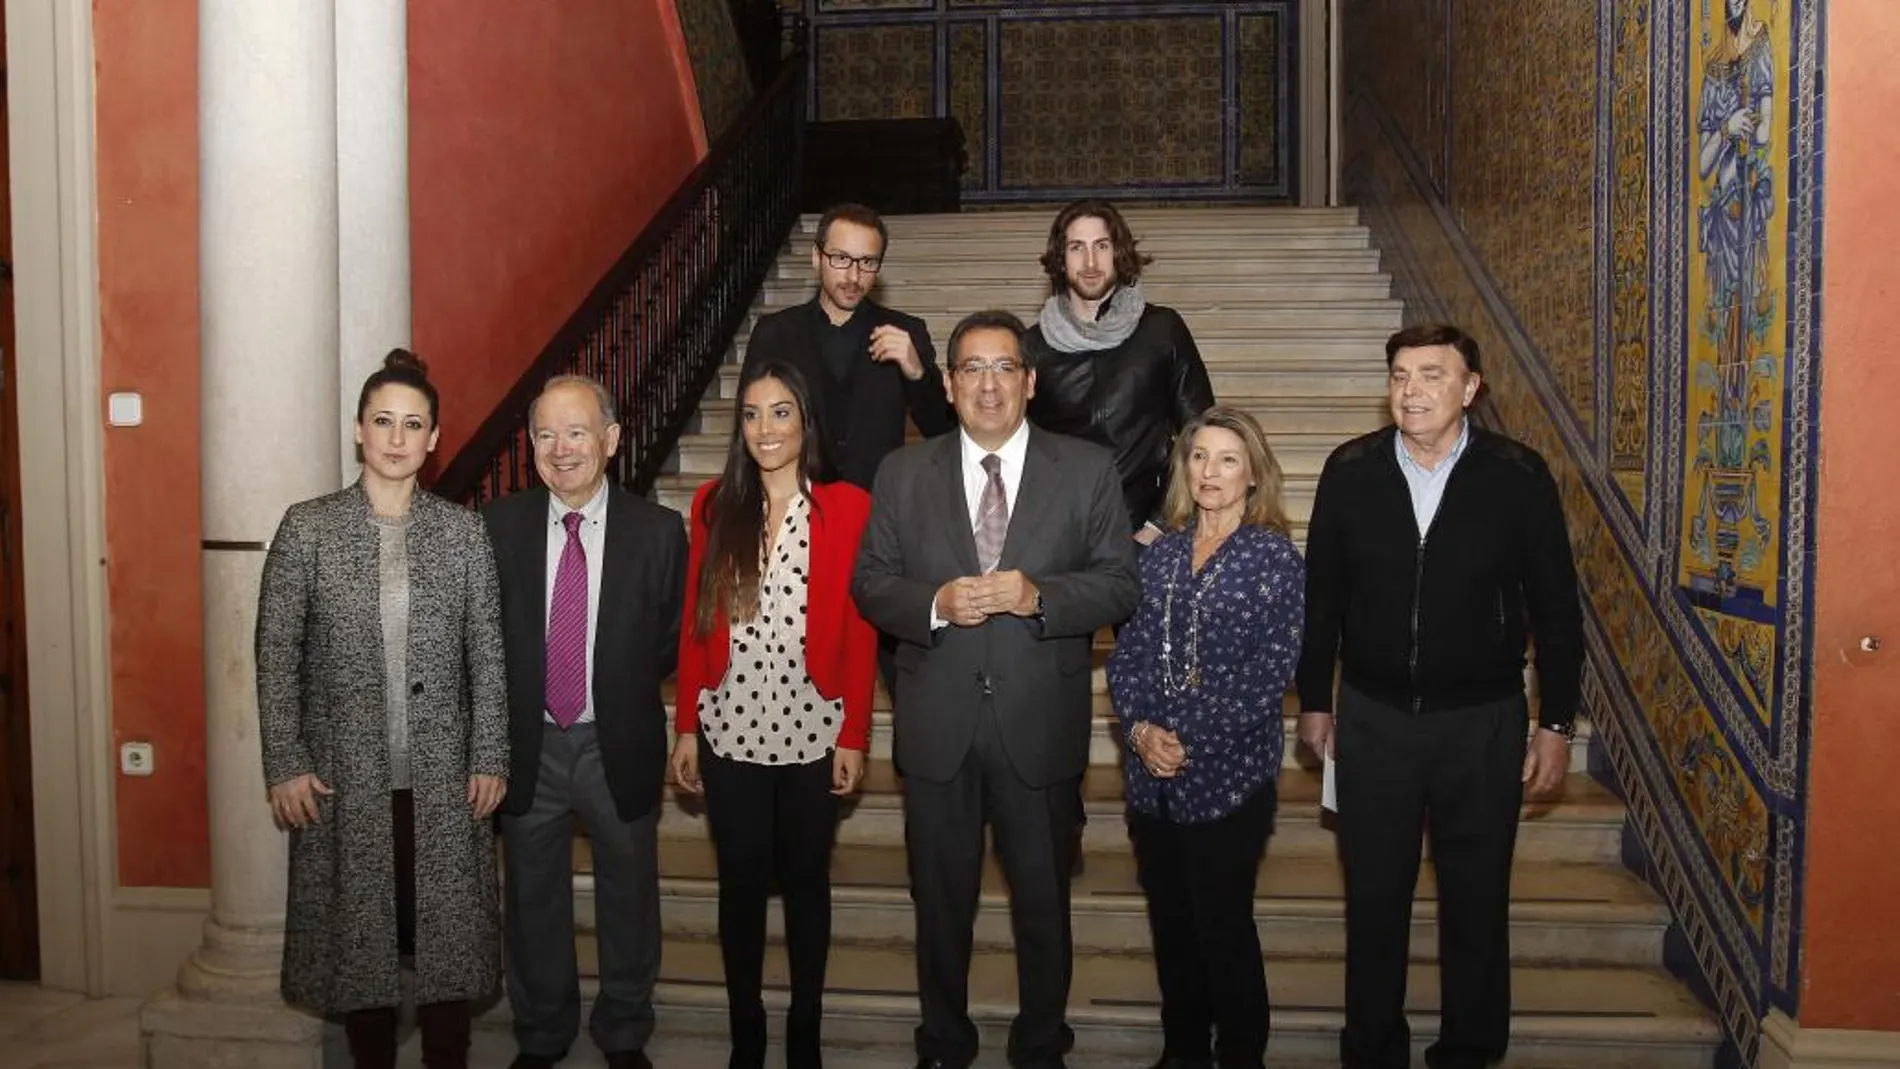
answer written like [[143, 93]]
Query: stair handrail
[[656, 327]]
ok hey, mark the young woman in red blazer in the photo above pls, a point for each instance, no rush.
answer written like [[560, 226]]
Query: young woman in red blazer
[[776, 672]]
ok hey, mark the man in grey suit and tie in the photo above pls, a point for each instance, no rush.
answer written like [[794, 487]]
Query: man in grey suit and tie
[[592, 583], [994, 555]]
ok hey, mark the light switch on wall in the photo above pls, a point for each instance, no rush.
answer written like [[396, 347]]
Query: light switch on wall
[[125, 409]]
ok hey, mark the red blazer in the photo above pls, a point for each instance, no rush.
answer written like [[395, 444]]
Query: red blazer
[[840, 647]]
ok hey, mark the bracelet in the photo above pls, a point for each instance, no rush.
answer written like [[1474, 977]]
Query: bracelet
[[1133, 734]]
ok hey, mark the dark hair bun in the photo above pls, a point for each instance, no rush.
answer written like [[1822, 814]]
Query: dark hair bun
[[404, 360]]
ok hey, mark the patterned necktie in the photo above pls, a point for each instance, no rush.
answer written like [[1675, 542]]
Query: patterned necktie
[[567, 630], [992, 517]]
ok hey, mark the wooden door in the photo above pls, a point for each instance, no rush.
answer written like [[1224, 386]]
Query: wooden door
[[19, 907]]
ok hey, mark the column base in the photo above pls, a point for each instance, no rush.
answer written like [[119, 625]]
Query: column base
[[182, 1033], [1787, 1045], [225, 1012]]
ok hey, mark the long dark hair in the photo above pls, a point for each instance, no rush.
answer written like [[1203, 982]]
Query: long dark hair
[[1128, 261], [735, 513]]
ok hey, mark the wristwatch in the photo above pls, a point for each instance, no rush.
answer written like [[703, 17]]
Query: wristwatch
[[1567, 729], [1038, 613]]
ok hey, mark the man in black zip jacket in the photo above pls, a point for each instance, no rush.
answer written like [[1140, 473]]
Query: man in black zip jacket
[[1435, 551]]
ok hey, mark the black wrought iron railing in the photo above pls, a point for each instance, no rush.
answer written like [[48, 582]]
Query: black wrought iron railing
[[656, 328]]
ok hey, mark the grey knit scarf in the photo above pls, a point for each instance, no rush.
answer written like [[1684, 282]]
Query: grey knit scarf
[[1118, 317]]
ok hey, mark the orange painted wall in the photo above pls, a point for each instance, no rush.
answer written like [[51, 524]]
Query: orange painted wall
[[147, 114], [542, 138], [1851, 942]]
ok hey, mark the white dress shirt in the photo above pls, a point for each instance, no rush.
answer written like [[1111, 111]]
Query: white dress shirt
[[593, 543], [975, 480], [1427, 485]]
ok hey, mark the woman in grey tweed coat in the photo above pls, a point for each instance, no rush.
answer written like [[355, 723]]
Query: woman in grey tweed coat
[[386, 758]]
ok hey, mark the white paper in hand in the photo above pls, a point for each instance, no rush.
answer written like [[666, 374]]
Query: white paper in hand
[[1328, 798]]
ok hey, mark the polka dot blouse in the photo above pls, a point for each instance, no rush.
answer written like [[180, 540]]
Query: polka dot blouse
[[766, 710]]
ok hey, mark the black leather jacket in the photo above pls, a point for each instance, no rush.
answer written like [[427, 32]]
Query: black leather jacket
[[1133, 399]]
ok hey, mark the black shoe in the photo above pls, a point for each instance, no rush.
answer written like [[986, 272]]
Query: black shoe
[[628, 1059], [524, 1060], [1173, 1061]]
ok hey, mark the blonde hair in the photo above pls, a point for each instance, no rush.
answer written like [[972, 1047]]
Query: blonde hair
[[1264, 505]]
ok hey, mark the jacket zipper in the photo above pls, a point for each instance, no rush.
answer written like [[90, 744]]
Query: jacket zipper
[[1418, 597]]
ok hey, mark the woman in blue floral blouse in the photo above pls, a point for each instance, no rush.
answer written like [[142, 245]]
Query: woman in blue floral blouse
[[1197, 678]]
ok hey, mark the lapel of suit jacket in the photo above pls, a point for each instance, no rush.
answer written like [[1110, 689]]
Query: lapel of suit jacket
[[1041, 476], [529, 544], [952, 504], [617, 553]]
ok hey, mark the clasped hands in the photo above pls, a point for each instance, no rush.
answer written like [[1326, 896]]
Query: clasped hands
[[1160, 750], [972, 599], [294, 802]]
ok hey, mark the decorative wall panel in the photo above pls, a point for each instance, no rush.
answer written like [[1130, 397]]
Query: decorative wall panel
[[875, 72], [1056, 100], [1626, 220], [1110, 103], [719, 72]]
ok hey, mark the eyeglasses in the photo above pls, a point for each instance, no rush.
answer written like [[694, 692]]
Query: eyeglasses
[[842, 261], [975, 369]]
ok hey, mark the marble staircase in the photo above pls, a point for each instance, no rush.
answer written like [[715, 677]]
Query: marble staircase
[[1290, 311]]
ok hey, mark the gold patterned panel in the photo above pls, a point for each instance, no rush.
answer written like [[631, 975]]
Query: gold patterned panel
[[1400, 43], [969, 97], [1260, 43], [1523, 139], [1629, 247], [1749, 649], [712, 44], [875, 72], [1737, 308], [1110, 102], [833, 6]]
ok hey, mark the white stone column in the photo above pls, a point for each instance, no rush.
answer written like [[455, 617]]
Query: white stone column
[[268, 317], [372, 148]]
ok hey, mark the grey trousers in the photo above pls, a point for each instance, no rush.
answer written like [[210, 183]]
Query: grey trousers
[[538, 905]]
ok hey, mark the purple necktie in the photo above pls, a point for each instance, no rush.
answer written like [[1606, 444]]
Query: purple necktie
[[567, 630]]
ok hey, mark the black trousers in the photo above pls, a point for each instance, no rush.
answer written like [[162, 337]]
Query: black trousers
[[1459, 775], [445, 1026], [1035, 832], [1200, 880], [772, 825]]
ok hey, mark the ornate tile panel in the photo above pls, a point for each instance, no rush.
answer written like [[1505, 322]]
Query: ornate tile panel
[[1108, 103], [875, 72]]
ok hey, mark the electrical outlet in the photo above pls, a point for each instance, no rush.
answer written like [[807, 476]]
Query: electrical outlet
[[135, 759]]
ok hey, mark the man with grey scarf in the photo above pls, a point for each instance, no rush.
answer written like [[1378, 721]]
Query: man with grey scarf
[[1110, 367]]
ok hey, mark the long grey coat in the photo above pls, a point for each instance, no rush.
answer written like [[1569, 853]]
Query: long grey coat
[[321, 709]]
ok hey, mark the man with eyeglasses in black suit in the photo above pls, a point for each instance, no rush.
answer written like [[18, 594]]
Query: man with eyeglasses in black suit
[[868, 365]]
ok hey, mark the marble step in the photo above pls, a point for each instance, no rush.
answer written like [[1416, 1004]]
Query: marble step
[[1561, 914], [1564, 1018], [1278, 416], [1298, 373], [1030, 287], [1302, 454], [1584, 826], [1366, 319], [1105, 746], [1140, 219], [1161, 242], [990, 263], [675, 491]]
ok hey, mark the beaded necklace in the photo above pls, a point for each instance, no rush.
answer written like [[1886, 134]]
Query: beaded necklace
[[1192, 680]]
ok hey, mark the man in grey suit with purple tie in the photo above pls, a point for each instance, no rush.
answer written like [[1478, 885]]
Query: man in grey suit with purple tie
[[592, 585]]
